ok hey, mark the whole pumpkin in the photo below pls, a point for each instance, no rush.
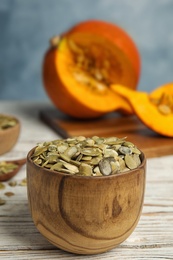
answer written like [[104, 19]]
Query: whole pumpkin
[[83, 62]]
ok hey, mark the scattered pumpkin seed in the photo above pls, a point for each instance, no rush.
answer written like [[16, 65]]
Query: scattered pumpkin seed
[[2, 186], [2, 202], [95, 156], [12, 183], [9, 193], [23, 182]]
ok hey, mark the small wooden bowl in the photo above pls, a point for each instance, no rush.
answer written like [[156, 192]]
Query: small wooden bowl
[[9, 137], [85, 215]]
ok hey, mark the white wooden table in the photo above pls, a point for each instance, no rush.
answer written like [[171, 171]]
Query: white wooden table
[[20, 240]]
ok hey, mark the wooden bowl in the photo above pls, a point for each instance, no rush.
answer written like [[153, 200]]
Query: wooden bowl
[[85, 215], [9, 136]]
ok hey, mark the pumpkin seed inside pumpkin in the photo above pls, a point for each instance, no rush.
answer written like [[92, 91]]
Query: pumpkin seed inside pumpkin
[[164, 103]]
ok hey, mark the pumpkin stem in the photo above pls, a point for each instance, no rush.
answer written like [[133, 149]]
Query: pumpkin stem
[[54, 41]]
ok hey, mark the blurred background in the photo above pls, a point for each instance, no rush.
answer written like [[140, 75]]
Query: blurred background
[[27, 25]]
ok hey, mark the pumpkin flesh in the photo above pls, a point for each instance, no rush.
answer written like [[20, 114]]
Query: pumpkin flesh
[[147, 110]]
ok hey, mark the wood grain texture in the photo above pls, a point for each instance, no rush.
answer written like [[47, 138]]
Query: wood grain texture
[[19, 238], [85, 215], [152, 144]]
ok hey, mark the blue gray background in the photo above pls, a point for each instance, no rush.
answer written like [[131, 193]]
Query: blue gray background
[[27, 25]]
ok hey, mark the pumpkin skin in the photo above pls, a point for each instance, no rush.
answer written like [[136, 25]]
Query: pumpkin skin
[[146, 109], [80, 94]]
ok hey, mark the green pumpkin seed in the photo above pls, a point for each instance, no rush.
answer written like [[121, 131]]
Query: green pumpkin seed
[[70, 167], [2, 202], [91, 151], [105, 167], [95, 156], [71, 151], [62, 148], [2, 186], [85, 169], [125, 150], [130, 162]]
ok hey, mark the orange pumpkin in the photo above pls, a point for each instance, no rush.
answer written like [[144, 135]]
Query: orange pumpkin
[[79, 68]]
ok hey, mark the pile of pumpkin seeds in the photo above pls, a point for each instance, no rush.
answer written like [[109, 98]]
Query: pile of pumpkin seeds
[[7, 121], [96, 156], [7, 167]]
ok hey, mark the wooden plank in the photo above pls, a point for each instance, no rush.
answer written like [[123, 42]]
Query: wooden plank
[[152, 144], [140, 253], [19, 238]]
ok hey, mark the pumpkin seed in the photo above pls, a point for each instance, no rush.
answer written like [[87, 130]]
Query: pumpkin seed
[[52, 157], [37, 160], [95, 160], [91, 151], [121, 164], [71, 151], [96, 171], [164, 103], [85, 169], [125, 150], [77, 163], [164, 109], [74, 47], [130, 162], [86, 158], [9, 194], [12, 183], [128, 144], [135, 150], [110, 153], [39, 150], [2, 186], [105, 166], [64, 157], [52, 148], [70, 167], [2, 202], [115, 166], [62, 148], [57, 166], [137, 159], [23, 182]]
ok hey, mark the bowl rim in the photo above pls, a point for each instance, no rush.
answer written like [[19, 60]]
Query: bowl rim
[[142, 165]]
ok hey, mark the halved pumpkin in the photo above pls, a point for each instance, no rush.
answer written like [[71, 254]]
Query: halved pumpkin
[[78, 71]]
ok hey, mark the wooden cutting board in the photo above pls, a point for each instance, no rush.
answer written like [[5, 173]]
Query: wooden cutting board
[[152, 144]]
